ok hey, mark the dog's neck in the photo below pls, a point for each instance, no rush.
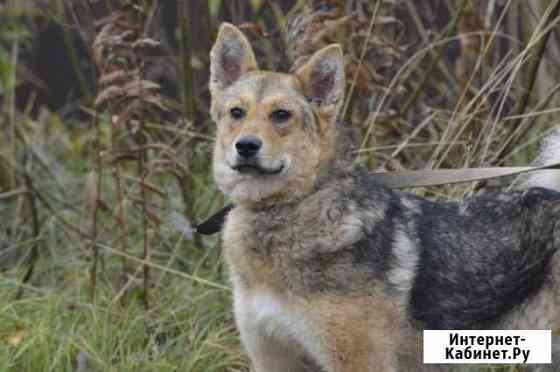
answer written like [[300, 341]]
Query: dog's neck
[[332, 169], [337, 162]]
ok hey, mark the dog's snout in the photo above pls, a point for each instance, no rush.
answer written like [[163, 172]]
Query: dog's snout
[[248, 146]]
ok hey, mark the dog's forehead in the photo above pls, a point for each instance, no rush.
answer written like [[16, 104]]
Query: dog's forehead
[[260, 84]]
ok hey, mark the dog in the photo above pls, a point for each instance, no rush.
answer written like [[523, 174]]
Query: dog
[[332, 271]]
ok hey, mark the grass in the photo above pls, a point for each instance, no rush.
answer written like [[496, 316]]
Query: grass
[[190, 329], [55, 327]]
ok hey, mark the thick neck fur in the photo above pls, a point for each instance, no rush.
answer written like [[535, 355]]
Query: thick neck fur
[[282, 243]]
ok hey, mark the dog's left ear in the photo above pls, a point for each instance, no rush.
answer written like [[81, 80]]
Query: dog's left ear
[[230, 58], [323, 80]]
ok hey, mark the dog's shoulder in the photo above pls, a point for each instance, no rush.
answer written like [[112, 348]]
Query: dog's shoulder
[[324, 241]]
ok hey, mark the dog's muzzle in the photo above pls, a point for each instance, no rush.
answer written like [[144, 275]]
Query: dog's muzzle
[[252, 166], [247, 157]]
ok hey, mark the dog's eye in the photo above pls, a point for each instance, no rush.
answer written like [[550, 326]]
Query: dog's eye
[[281, 116], [237, 113]]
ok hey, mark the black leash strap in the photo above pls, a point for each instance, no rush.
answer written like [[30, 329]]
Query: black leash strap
[[215, 222]]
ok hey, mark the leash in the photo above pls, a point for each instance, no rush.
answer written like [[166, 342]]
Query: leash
[[400, 180], [437, 177]]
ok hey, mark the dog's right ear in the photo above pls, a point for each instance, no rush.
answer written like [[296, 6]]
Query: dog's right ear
[[230, 58], [323, 80]]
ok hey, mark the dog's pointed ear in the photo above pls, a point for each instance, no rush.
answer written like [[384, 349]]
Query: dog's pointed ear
[[323, 80], [230, 58]]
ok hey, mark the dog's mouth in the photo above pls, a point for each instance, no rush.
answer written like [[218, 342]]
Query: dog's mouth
[[255, 168]]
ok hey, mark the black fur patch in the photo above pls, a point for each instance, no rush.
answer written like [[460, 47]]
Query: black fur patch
[[481, 258]]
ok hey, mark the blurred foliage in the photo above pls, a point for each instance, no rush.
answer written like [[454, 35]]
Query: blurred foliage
[[106, 141]]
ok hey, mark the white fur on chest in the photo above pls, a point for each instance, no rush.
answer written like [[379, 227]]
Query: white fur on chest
[[265, 313], [262, 316]]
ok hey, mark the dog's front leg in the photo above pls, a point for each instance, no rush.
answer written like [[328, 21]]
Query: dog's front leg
[[265, 338], [359, 355], [357, 334], [270, 355]]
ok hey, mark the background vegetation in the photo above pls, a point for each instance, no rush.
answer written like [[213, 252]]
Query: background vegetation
[[105, 143]]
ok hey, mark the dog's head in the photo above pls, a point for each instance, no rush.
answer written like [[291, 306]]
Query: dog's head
[[276, 132]]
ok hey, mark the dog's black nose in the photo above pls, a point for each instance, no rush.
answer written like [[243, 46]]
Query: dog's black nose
[[248, 146]]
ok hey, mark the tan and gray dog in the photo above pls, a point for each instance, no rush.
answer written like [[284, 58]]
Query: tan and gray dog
[[333, 272]]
